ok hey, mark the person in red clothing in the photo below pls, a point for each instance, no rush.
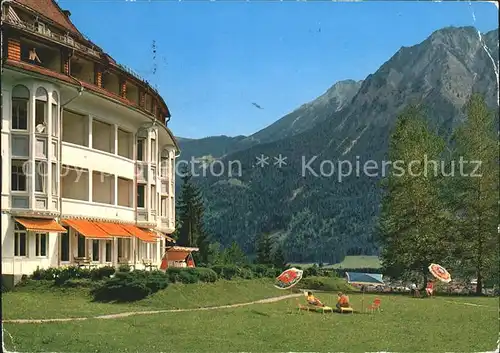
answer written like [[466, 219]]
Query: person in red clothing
[[430, 289]]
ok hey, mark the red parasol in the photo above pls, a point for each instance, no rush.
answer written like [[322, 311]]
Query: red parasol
[[440, 273]]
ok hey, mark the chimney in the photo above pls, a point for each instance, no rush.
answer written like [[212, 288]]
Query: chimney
[[67, 13]]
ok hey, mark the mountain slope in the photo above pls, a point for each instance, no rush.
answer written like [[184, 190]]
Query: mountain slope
[[310, 114], [324, 218]]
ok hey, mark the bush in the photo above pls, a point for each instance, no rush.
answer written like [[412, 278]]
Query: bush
[[206, 275], [62, 274], [102, 272], [130, 286], [311, 271], [327, 284], [124, 268], [191, 275], [226, 271]]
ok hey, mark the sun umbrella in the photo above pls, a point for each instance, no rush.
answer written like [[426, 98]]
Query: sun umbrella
[[440, 273], [289, 278], [370, 279]]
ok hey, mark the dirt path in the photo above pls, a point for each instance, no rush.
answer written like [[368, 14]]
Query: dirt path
[[132, 313]]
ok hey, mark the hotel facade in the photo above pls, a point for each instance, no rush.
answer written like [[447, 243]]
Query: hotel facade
[[88, 162]]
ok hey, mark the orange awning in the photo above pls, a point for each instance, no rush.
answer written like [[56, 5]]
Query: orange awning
[[177, 255], [87, 228], [41, 225], [144, 235], [113, 229]]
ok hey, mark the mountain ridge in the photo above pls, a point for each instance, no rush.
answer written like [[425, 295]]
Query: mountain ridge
[[322, 218]]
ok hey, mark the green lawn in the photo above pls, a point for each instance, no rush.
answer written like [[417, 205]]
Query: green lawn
[[405, 325], [361, 261], [43, 302]]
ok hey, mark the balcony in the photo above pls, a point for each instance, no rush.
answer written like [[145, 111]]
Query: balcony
[[87, 158], [96, 210]]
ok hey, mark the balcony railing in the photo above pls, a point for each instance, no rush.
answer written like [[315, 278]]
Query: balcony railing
[[44, 31], [40, 29]]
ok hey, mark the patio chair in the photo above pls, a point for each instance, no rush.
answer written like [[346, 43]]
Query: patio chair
[[375, 306]]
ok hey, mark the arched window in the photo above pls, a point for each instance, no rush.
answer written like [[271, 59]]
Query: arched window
[[41, 101], [20, 99], [55, 113]]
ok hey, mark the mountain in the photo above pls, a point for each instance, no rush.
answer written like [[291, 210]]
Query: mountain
[[310, 114], [212, 147], [305, 117], [324, 217]]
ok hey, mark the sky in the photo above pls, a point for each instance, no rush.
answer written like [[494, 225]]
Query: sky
[[215, 58]]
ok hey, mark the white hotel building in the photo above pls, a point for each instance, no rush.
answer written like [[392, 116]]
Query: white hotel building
[[87, 157]]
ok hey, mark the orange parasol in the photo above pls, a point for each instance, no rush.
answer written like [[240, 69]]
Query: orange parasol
[[440, 273]]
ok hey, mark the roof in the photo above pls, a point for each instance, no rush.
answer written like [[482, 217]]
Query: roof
[[181, 249], [52, 11], [364, 278]]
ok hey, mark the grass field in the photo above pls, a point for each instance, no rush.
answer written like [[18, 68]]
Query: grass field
[[361, 261], [404, 325], [42, 301]]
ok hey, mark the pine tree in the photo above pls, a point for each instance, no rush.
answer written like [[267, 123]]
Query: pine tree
[[233, 255], [412, 217], [473, 192], [264, 249], [279, 258], [190, 211]]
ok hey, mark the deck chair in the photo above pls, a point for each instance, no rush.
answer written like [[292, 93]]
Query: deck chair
[[375, 306]]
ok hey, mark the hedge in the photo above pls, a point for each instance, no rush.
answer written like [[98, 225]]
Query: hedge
[[62, 274], [130, 286]]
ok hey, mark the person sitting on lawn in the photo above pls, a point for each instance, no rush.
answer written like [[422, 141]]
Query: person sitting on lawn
[[342, 301], [430, 289], [311, 299], [414, 290]]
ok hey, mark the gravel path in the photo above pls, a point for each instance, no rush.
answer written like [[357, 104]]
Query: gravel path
[[132, 313]]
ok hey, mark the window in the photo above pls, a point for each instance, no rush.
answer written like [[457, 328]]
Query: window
[[40, 176], [20, 241], [164, 205], [124, 143], [20, 145], [140, 150], [55, 178], [20, 99], [108, 250], [140, 196], [18, 175], [163, 168], [82, 248], [153, 198], [123, 248], [95, 250], [65, 245], [41, 110], [41, 240], [153, 151], [55, 114], [55, 120]]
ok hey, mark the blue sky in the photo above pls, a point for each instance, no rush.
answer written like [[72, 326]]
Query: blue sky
[[213, 59]]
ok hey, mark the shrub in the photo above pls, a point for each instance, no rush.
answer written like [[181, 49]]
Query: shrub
[[244, 273], [206, 275], [328, 284], [272, 272], [124, 268], [102, 272], [311, 271], [226, 271], [130, 286]]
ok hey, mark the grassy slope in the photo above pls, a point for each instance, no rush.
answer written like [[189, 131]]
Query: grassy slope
[[38, 302], [362, 261], [404, 325]]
